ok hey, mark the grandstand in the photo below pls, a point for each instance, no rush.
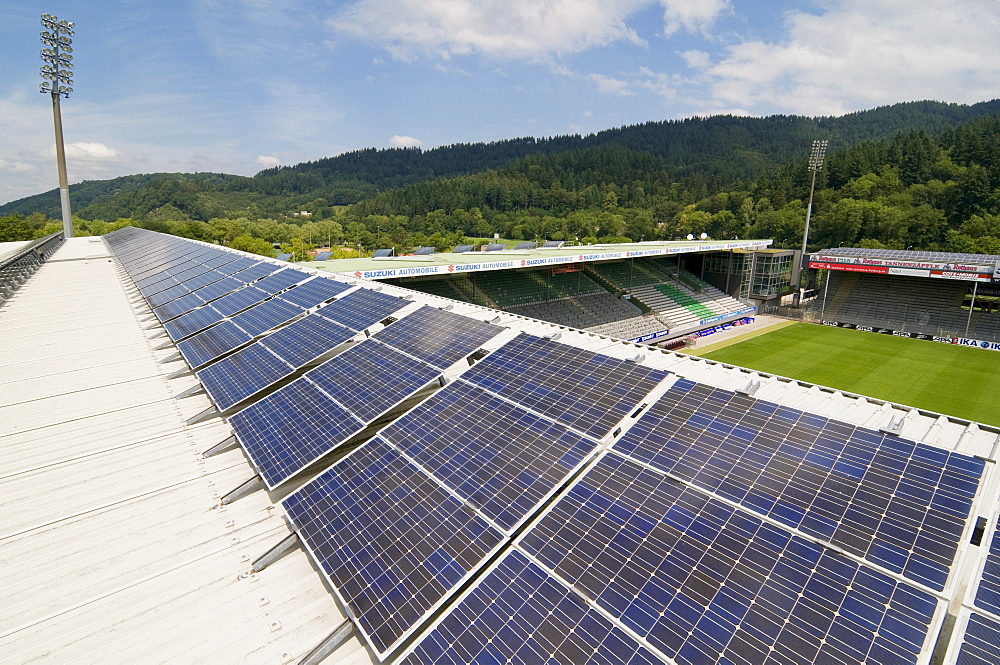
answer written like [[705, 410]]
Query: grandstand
[[355, 472], [635, 299], [928, 293]]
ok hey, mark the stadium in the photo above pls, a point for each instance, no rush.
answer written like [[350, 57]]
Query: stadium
[[491, 457]]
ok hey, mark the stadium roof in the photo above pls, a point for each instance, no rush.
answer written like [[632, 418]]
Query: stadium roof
[[447, 263], [938, 265], [118, 547]]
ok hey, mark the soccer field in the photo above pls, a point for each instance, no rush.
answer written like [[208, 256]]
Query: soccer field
[[954, 380]]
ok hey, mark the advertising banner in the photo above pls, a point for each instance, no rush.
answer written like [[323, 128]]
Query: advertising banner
[[902, 263], [852, 267], [889, 331], [540, 260], [978, 343]]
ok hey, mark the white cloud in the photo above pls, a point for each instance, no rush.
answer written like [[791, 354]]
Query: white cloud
[[611, 86], [91, 152], [267, 161], [16, 167], [691, 15], [696, 59], [506, 29], [398, 141], [863, 53]]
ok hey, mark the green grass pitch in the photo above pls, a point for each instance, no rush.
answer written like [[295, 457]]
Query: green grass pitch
[[953, 380]]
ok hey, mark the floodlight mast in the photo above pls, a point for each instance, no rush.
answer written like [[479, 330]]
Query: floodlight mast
[[58, 81], [816, 157]]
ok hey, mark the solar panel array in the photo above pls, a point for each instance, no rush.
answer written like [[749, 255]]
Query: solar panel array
[[988, 591], [855, 488], [501, 458], [717, 528], [354, 389], [904, 255], [265, 362]]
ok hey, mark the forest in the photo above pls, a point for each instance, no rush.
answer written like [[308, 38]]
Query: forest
[[920, 175]]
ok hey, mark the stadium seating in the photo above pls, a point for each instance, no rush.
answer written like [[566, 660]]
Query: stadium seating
[[927, 306], [583, 312]]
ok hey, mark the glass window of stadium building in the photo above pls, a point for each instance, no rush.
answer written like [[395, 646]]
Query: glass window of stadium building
[[764, 276]]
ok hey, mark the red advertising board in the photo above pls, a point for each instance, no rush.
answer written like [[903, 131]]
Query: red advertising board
[[853, 267]]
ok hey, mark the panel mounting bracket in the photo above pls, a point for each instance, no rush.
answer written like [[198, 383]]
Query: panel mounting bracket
[[275, 553], [248, 487]]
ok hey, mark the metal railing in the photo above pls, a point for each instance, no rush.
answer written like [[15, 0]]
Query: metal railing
[[22, 264]]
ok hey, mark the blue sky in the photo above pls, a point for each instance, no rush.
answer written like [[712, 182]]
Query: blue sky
[[235, 86]]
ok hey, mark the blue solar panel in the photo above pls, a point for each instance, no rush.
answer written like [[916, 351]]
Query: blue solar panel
[[314, 292], [266, 315], [988, 593], [362, 308], [306, 339], [184, 288], [291, 428], [197, 298], [369, 378], [345, 394], [193, 322], [437, 337], [982, 642], [503, 460], [252, 270], [233, 379], [392, 542], [281, 280], [588, 391], [322, 256], [520, 614], [899, 504], [236, 301], [211, 343], [704, 582]]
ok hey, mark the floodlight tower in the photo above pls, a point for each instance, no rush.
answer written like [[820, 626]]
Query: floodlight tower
[[58, 75], [816, 157]]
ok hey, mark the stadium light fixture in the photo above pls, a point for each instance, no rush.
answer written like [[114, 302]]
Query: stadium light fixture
[[57, 75], [816, 157]]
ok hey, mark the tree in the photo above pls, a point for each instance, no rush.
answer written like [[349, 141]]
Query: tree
[[15, 228], [247, 243]]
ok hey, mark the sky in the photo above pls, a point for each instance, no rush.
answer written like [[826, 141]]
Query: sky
[[236, 86]]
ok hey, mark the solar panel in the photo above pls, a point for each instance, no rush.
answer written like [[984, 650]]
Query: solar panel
[[185, 304], [322, 256], [264, 316], [284, 257], [361, 309], [553, 244], [391, 541], [344, 395], [314, 292], [381, 253], [193, 322], [704, 582], [899, 504], [526, 245], [306, 339], [236, 377], [520, 614], [981, 644], [423, 251], [437, 337], [588, 391], [505, 464], [495, 247], [462, 249], [211, 343], [988, 593], [188, 286]]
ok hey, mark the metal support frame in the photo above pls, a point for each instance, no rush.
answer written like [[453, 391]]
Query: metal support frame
[[248, 487], [275, 553], [972, 307], [330, 643], [193, 390], [210, 412], [225, 444]]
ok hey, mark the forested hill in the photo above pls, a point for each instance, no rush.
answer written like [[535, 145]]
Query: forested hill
[[714, 153]]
